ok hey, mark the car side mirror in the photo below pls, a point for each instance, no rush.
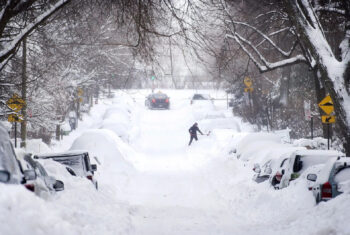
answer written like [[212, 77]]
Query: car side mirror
[[58, 185], [311, 177], [29, 175], [93, 167]]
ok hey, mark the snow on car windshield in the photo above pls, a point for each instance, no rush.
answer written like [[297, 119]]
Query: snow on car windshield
[[75, 162], [314, 160]]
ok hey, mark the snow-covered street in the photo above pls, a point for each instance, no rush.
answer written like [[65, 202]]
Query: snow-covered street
[[152, 182]]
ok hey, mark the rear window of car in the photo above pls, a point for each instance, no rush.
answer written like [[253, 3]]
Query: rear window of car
[[76, 162], [342, 175], [200, 97], [160, 96]]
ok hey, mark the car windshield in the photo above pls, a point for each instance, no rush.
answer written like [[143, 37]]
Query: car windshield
[[160, 96], [75, 162], [342, 175], [8, 159], [200, 97]]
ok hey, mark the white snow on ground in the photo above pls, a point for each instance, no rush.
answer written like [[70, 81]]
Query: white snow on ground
[[152, 182]]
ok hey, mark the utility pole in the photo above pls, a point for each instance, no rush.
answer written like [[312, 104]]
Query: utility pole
[[24, 94]]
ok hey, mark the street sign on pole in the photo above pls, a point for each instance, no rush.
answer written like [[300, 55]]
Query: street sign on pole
[[327, 105], [14, 117], [80, 91], [328, 119], [248, 82], [15, 103]]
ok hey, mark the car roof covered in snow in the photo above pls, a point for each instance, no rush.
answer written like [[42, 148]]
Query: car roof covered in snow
[[62, 154], [312, 152]]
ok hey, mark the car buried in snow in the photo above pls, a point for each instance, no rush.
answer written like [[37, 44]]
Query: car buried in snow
[[77, 163], [11, 170], [297, 162], [44, 184], [157, 101], [332, 180]]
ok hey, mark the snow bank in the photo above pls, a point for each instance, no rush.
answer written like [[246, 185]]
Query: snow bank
[[105, 145], [316, 143], [37, 146]]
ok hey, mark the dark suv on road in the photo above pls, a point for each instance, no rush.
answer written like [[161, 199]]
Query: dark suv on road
[[76, 162]]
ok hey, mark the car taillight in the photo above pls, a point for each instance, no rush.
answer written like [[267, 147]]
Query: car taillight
[[153, 100], [326, 190], [30, 187], [310, 188], [89, 177], [278, 176], [167, 101]]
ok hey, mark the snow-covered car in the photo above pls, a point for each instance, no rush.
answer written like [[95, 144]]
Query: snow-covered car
[[264, 172], [44, 184], [297, 162], [201, 97], [157, 100], [11, 171], [332, 180], [77, 162]]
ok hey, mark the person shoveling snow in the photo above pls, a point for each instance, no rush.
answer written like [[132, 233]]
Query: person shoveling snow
[[193, 132]]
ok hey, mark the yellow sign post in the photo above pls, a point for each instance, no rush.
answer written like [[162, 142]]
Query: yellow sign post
[[248, 82], [15, 117], [15, 103], [328, 119], [80, 92], [327, 105]]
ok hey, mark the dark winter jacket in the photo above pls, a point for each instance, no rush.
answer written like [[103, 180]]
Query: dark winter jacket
[[193, 130]]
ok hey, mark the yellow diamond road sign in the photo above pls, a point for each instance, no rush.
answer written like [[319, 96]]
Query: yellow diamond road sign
[[80, 92], [327, 105], [328, 119], [15, 103], [15, 118], [248, 82]]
